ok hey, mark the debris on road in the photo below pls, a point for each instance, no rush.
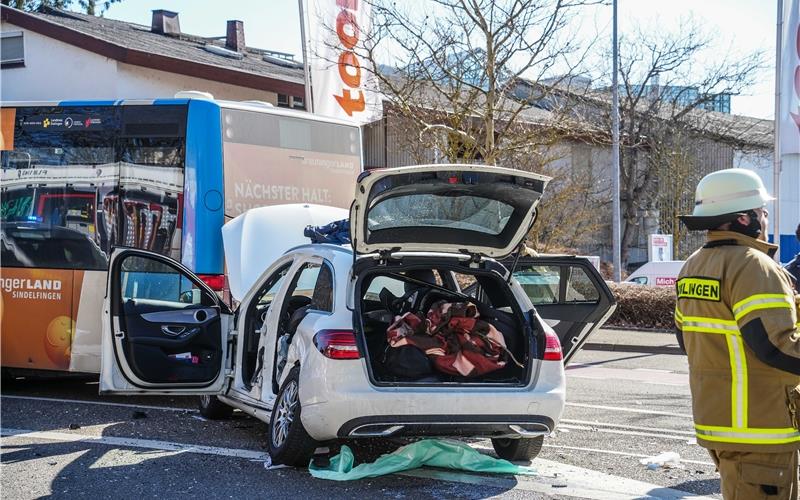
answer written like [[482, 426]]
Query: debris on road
[[666, 459], [137, 414], [73, 427], [269, 466]]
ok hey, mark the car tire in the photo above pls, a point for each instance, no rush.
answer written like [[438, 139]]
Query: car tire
[[212, 408], [518, 450], [289, 443]]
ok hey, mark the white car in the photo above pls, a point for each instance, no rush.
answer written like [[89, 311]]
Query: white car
[[307, 349]]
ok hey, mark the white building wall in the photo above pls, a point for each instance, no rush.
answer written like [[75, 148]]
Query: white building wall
[[762, 164], [57, 71]]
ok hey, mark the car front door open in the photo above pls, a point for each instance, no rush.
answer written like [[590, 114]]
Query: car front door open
[[164, 330]]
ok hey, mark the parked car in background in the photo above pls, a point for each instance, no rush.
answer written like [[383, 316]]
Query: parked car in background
[[657, 273], [311, 348]]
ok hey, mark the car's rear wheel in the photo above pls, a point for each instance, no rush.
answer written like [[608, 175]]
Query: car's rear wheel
[[211, 407], [518, 450], [289, 443]]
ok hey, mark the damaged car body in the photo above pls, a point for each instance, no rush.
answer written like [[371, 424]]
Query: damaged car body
[[415, 330]]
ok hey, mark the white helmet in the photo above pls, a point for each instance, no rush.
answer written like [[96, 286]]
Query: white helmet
[[721, 195]]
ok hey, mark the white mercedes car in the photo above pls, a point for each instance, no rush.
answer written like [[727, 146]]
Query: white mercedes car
[[326, 341]]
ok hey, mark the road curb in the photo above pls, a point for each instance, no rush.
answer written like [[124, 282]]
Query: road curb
[[651, 349]]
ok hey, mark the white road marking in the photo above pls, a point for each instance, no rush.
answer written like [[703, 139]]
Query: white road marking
[[621, 453], [101, 403], [623, 432], [597, 450], [151, 444], [560, 479], [622, 426], [553, 477], [630, 410]]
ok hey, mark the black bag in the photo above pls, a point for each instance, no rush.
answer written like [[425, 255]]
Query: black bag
[[407, 362]]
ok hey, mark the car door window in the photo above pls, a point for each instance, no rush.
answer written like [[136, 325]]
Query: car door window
[[541, 283], [149, 279], [305, 281], [580, 288], [322, 297], [272, 286]]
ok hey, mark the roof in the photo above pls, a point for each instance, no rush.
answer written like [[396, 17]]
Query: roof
[[592, 106], [183, 54]]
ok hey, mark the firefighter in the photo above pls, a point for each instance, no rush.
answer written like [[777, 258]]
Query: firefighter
[[736, 317]]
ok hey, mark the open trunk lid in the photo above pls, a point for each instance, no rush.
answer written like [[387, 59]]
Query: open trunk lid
[[473, 209]]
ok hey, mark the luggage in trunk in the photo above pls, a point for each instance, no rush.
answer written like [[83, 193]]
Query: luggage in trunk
[[418, 332]]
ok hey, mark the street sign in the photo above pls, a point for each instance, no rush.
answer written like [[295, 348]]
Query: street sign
[[659, 248]]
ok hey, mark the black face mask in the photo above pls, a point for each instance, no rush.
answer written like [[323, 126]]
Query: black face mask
[[752, 230]]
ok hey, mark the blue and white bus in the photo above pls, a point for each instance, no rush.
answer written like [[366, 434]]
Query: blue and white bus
[[80, 177]]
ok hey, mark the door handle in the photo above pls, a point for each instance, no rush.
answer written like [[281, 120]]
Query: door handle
[[173, 331]]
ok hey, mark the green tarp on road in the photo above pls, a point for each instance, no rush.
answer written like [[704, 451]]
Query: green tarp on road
[[433, 452]]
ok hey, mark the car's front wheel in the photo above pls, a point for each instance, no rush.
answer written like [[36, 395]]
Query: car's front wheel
[[518, 450], [214, 409], [289, 443]]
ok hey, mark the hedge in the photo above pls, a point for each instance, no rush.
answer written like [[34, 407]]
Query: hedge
[[640, 306]]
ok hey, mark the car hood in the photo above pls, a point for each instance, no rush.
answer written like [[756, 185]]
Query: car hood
[[473, 209], [258, 237]]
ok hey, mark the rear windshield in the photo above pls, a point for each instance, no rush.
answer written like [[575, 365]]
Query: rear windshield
[[458, 212]]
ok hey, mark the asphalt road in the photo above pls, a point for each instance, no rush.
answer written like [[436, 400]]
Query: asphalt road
[[622, 407]]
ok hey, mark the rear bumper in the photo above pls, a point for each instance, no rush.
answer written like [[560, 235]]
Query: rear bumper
[[342, 403], [447, 425]]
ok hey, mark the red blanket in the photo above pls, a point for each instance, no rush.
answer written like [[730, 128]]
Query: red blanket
[[453, 337]]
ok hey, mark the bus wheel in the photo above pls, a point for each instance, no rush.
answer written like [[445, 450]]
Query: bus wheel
[[214, 409]]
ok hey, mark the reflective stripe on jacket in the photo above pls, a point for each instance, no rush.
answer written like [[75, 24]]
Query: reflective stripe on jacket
[[737, 313]]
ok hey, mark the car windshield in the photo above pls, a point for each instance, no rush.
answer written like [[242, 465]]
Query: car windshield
[[425, 210]]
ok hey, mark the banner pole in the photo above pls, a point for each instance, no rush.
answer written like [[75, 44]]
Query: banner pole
[[306, 66], [776, 172]]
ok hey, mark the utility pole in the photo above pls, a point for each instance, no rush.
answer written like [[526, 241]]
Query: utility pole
[[615, 220], [776, 169], [306, 64]]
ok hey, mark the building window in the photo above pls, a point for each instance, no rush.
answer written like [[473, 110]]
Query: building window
[[298, 103], [12, 50], [283, 100]]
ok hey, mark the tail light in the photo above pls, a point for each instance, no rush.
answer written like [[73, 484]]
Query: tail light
[[552, 346], [337, 344], [214, 281]]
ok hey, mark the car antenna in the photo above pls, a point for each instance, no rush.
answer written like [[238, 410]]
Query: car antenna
[[520, 248]]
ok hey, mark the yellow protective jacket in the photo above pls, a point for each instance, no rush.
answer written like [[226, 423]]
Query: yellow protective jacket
[[736, 316]]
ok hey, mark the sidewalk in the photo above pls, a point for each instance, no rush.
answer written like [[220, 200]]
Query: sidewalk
[[608, 339]]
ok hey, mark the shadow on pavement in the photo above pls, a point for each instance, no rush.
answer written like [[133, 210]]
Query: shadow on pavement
[[697, 487]]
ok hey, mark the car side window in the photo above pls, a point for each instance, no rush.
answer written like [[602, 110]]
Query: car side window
[[640, 280], [394, 285], [322, 298], [305, 281], [272, 286], [540, 283], [146, 278], [580, 288]]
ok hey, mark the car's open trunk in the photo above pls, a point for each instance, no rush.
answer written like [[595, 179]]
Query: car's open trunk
[[386, 292]]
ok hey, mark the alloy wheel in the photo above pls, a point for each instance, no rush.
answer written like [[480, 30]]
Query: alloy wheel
[[285, 414]]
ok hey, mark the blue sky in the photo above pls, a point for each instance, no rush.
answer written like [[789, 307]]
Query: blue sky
[[739, 25]]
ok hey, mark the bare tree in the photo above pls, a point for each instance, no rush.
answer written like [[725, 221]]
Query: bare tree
[[666, 79], [456, 62]]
